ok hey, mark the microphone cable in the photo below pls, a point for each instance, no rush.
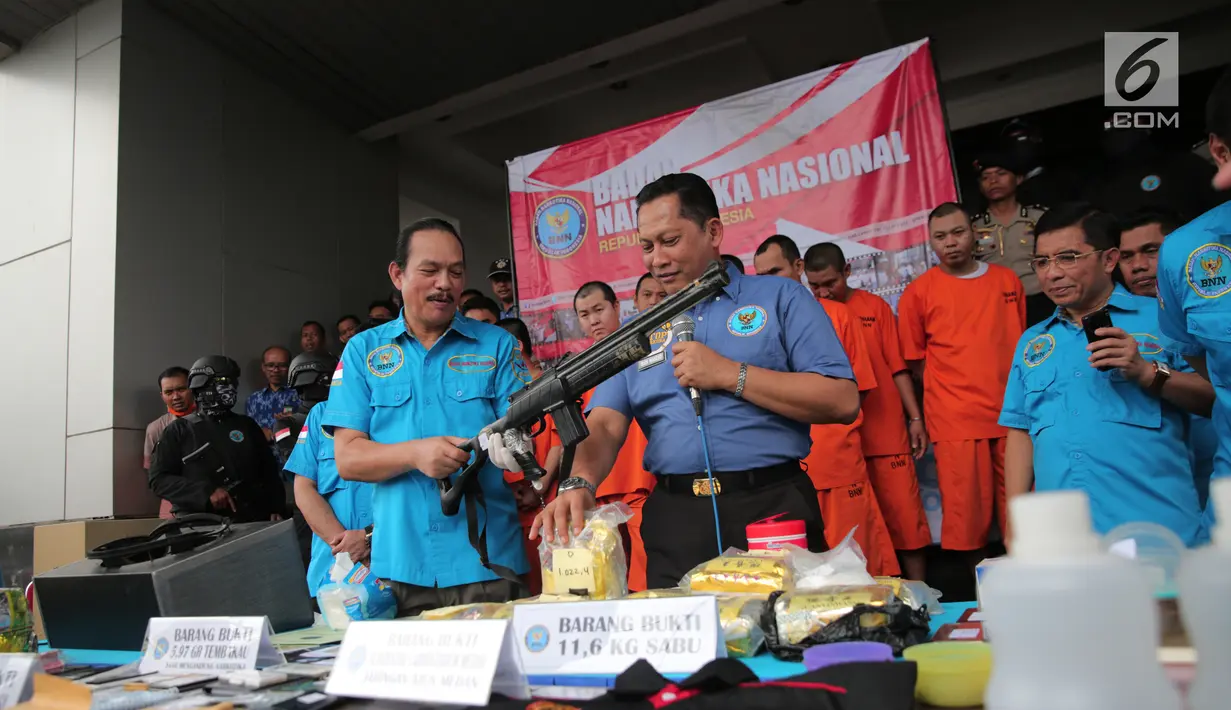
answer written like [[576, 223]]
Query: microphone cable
[[709, 472], [682, 328]]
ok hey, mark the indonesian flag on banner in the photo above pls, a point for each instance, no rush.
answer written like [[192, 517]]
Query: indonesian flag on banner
[[856, 154], [281, 434], [337, 375]]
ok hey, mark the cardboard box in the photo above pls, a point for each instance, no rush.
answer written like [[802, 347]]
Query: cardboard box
[[59, 544], [980, 570]]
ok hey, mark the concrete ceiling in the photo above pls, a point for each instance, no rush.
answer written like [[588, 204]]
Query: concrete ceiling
[[468, 84], [22, 20]]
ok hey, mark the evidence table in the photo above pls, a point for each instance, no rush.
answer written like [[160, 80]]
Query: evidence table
[[765, 666]]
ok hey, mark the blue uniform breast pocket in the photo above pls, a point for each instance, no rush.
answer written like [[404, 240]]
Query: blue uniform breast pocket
[[751, 334], [1130, 404], [1210, 325], [1041, 398], [391, 420], [470, 395]]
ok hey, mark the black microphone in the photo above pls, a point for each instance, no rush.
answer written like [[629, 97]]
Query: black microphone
[[682, 328]]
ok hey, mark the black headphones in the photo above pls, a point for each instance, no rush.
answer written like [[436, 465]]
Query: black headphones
[[173, 537]]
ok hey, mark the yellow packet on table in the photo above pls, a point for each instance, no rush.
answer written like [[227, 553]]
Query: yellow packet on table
[[740, 617], [16, 625], [740, 574], [801, 615], [592, 564]]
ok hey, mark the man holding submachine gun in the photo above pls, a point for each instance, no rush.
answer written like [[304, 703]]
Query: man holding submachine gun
[[413, 400], [726, 403]]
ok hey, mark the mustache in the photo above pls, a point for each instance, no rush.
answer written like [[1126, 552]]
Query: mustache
[[441, 297]]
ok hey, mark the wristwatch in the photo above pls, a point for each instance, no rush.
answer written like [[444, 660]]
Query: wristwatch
[[572, 482], [367, 536], [1162, 373]]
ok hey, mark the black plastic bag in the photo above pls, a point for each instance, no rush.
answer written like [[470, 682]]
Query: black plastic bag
[[895, 624]]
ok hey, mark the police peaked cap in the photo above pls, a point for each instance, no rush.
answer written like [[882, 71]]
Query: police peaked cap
[[308, 368], [211, 366]]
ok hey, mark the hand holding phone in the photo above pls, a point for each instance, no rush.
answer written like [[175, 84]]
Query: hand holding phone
[[1092, 322]]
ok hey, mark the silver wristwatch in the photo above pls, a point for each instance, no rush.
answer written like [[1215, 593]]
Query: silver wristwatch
[[572, 482]]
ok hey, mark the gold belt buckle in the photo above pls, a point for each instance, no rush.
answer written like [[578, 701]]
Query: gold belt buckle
[[701, 487]]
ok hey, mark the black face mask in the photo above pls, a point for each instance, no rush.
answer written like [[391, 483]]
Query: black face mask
[[217, 396], [314, 393]]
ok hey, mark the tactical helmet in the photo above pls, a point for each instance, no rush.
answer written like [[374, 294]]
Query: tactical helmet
[[214, 381]]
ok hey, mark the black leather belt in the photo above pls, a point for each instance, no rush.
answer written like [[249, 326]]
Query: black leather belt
[[698, 484]]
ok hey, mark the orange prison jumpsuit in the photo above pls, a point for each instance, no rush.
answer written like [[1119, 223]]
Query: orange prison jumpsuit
[[886, 445], [836, 465], [966, 331]]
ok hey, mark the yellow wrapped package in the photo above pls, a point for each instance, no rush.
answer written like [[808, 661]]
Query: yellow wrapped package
[[740, 573], [591, 564], [740, 616], [467, 612], [917, 595], [801, 615]]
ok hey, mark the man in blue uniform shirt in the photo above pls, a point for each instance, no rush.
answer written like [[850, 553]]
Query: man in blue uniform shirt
[[404, 397], [1141, 237], [768, 365], [1194, 283], [1106, 417], [337, 511]]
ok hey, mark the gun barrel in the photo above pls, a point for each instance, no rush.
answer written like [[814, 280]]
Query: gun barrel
[[630, 343]]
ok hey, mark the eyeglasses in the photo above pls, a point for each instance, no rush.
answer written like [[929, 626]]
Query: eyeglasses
[[1064, 261], [277, 365]]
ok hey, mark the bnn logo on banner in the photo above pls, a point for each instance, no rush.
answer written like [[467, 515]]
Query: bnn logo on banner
[[856, 154]]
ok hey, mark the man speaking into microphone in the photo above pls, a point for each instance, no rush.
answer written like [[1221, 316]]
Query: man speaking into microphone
[[766, 364]]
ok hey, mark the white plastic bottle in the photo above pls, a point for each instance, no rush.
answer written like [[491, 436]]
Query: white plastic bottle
[[1205, 588], [1071, 628]]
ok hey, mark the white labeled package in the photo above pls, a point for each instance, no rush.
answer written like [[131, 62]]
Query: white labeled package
[[354, 595]]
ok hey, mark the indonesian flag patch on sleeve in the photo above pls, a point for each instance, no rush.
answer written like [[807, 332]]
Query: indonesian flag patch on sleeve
[[282, 434], [337, 376], [303, 434]]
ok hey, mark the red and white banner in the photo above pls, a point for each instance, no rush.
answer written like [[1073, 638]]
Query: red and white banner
[[855, 154]]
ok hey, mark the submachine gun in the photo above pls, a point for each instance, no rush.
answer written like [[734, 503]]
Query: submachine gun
[[558, 391]]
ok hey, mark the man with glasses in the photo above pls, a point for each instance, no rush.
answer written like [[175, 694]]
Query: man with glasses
[[1141, 239], [275, 402], [1106, 417]]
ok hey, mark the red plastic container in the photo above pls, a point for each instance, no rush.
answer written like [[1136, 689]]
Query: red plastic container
[[772, 533]]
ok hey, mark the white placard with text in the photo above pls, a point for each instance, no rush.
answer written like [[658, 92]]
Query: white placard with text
[[676, 635], [453, 662], [17, 672], [209, 643]]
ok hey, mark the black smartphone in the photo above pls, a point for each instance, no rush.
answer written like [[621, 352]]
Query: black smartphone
[[1098, 319]]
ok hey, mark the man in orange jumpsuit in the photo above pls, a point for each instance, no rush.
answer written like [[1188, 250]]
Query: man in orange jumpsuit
[[598, 310], [836, 463], [960, 322], [893, 434]]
